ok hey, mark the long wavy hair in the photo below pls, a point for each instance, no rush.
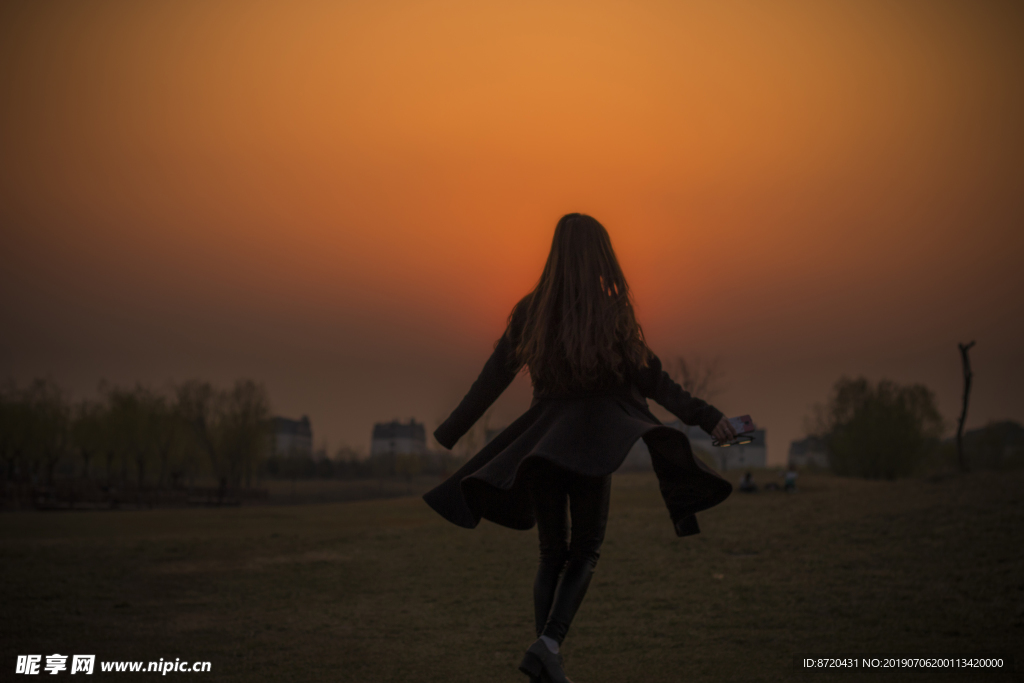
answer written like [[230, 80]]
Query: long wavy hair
[[578, 326]]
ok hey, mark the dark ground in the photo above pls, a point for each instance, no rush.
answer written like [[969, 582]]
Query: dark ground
[[386, 590]]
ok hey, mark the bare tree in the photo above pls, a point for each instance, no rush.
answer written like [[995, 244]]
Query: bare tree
[[196, 403], [49, 425], [245, 420], [131, 418], [165, 429], [90, 431], [231, 426], [701, 378], [13, 421], [968, 375]]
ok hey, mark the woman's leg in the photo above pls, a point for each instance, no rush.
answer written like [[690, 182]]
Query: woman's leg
[[550, 496], [588, 502]]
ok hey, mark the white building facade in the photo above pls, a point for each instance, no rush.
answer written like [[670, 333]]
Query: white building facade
[[291, 437], [398, 438]]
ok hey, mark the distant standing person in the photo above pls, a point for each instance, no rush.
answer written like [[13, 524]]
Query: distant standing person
[[790, 481], [592, 372]]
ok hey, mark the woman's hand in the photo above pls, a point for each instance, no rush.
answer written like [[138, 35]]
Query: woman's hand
[[724, 431]]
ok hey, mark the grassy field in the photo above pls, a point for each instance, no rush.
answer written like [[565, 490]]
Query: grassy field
[[386, 590], [286, 492]]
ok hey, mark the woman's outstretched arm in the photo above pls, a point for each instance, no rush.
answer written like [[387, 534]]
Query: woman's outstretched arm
[[655, 383], [497, 374]]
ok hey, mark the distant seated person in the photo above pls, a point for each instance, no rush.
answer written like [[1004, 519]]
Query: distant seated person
[[790, 484], [747, 484]]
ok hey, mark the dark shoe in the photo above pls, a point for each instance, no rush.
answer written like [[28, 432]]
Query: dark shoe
[[539, 660]]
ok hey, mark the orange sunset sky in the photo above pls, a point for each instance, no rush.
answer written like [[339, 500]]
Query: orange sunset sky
[[345, 199]]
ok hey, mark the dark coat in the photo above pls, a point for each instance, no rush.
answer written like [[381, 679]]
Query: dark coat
[[586, 432]]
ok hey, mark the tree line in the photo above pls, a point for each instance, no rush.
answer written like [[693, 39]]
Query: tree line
[[133, 437], [885, 430]]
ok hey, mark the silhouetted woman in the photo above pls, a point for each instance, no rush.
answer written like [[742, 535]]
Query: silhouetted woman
[[592, 373]]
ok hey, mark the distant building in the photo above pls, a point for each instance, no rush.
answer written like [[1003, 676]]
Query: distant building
[[809, 451], [398, 437], [752, 455], [291, 437]]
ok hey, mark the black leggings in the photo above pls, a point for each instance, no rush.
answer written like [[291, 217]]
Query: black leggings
[[566, 566]]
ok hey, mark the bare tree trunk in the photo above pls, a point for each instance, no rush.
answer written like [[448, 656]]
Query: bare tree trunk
[[51, 464], [164, 455], [963, 413]]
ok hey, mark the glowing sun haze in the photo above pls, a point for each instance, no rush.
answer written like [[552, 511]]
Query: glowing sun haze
[[344, 200]]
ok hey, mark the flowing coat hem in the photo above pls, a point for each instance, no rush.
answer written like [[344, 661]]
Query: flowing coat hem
[[590, 435]]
